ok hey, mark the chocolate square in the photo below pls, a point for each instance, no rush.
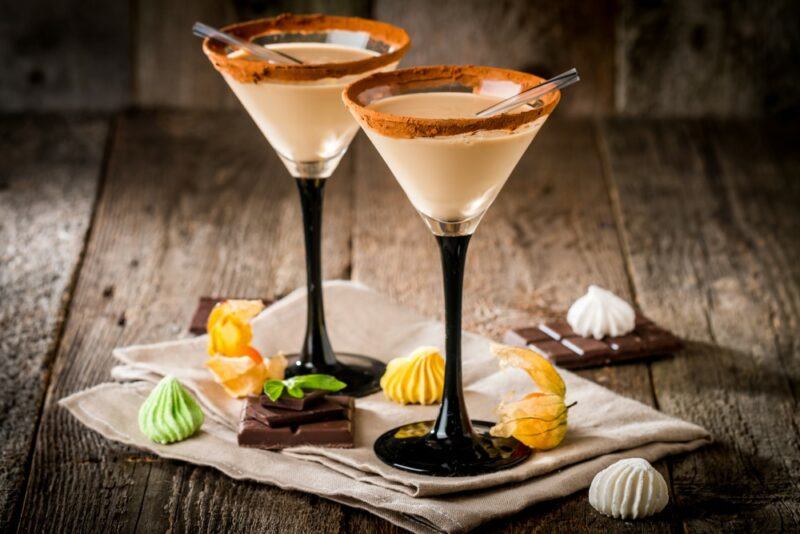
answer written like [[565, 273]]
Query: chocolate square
[[253, 432], [571, 351], [557, 329], [585, 346], [552, 350], [628, 344], [324, 410], [287, 402], [659, 341]]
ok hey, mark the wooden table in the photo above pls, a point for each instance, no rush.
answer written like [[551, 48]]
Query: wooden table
[[112, 227]]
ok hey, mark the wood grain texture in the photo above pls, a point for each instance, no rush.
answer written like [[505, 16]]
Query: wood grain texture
[[711, 228], [549, 234], [541, 37], [184, 212], [170, 67], [709, 248], [250, 9], [48, 185], [65, 55], [686, 58]]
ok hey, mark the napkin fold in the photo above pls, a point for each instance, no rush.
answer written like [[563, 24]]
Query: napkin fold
[[603, 426]]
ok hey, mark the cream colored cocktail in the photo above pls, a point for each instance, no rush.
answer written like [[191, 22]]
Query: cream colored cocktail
[[450, 178], [303, 120], [451, 164], [297, 105]]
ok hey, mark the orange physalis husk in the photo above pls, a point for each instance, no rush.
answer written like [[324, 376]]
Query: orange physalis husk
[[539, 420], [242, 375], [538, 368], [229, 331], [253, 354], [276, 366], [237, 366]]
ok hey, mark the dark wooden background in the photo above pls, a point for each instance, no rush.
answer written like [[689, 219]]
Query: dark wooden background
[[682, 58], [670, 175]]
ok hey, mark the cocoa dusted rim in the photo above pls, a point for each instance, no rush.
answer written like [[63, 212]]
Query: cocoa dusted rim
[[421, 77], [254, 71]]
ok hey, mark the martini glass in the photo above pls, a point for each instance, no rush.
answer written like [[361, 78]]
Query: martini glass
[[451, 165], [299, 110]]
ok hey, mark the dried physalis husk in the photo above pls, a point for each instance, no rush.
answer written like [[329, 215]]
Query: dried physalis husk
[[539, 420], [234, 363], [243, 375], [229, 331], [538, 368]]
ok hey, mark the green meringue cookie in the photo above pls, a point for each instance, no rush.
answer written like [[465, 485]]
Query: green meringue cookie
[[170, 413]]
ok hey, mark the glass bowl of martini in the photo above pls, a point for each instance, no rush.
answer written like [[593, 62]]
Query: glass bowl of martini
[[451, 164], [297, 105]]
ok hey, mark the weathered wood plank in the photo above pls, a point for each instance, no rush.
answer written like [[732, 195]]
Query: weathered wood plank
[[549, 234], [711, 225], [251, 9], [171, 69], [185, 211], [48, 185], [211, 502], [167, 204], [542, 37], [65, 55], [685, 58]]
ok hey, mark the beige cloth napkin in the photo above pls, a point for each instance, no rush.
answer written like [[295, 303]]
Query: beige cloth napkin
[[603, 426]]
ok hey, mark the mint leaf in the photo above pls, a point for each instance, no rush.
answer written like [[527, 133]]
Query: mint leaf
[[319, 381], [295, 391], [274, 389], [294, 386]]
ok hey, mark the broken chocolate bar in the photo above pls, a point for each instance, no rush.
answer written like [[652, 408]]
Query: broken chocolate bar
[[203, 310], [287, 402], [253, 432], [556, 341], [325, 410]]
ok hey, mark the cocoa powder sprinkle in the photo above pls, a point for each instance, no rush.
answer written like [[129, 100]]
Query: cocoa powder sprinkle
[[250, 70], [469, 76]]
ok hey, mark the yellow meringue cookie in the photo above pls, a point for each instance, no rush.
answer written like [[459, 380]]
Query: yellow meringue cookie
[[415, 379]]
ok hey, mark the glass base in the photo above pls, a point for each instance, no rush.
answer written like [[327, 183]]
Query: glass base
[[362, 374], [312, 169], [412, 448], [452, 228]]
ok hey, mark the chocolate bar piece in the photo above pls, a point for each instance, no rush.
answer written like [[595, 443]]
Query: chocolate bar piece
[[203, 310], [287, 402], [334, 433], [525, 336], [557, 341], [325, 410]]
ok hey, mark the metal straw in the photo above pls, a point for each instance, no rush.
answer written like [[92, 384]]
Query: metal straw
[[557, 82], [261, 52]]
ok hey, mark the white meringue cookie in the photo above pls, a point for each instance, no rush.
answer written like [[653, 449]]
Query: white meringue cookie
[[601, 313], [629, 489]]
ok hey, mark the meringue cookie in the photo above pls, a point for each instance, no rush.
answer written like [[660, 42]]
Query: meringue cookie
[[629, 489], [170, 413], [601, 313], [415, 379]]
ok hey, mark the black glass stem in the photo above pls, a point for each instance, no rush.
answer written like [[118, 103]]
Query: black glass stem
[[452, 445], [317, 355], [453, 422], [361, 373]]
